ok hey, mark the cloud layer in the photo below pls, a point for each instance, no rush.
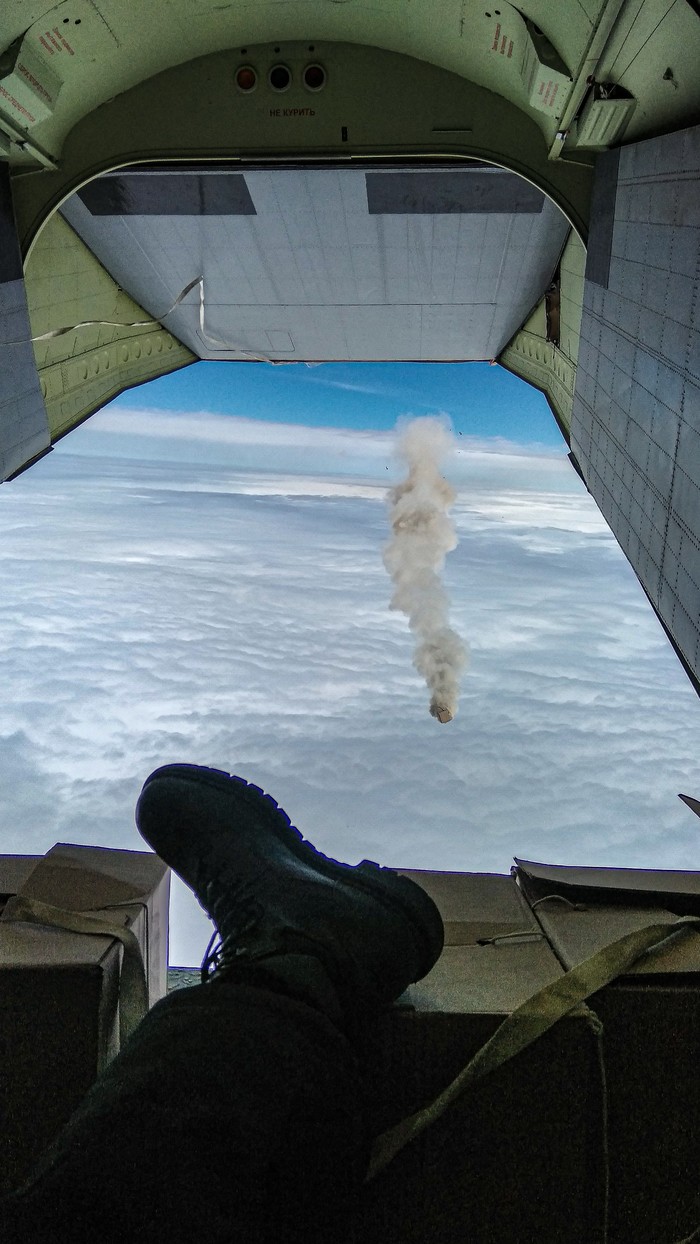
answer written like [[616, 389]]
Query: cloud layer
[[158, 612]]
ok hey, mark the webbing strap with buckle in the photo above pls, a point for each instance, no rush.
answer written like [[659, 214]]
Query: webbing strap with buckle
[[528, 1022]]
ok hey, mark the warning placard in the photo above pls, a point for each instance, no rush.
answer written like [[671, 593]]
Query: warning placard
[[29, 88]]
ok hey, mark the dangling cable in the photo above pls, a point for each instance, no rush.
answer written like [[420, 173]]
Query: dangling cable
[[70, 328], [213, 342]]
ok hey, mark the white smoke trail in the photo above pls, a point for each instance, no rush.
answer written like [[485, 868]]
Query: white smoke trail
[[423, 534]]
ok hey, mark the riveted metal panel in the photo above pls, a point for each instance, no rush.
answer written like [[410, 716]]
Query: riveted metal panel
[[636, 421]]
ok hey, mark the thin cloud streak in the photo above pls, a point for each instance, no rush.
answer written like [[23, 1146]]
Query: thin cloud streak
[[386, 392], [147, 421], [127, 430]]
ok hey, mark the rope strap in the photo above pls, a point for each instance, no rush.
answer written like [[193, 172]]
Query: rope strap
[[534, 1017], [133, 992]]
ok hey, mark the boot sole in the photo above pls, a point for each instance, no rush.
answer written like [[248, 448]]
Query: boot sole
[[397, 893]]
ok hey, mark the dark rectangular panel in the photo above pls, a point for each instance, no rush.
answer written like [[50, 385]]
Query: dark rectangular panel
[[603, 198], [168, 194], [429, 193], [10, 257]]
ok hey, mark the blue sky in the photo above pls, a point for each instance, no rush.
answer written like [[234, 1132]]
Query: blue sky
[[481, 400], [196, 575]]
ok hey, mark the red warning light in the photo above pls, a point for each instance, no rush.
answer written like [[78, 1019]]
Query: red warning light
[[314, 77], [246, 78]]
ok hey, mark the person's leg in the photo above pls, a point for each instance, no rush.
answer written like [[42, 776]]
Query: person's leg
[[235, 1110]]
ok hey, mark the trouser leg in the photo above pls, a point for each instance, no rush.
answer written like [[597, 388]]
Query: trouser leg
[[234, 1111]]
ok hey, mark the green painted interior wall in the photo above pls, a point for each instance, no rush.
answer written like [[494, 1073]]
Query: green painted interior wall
[[82, 369], [549, 367]]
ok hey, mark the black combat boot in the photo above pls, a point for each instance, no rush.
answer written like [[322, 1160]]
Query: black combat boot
[[281, 907]]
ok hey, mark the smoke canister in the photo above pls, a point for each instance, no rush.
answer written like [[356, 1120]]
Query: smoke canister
[[442, 713]]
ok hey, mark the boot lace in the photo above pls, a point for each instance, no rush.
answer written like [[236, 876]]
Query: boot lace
[[236, 911]]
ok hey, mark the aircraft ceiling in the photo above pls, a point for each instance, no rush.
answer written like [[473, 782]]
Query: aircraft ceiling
[[100, 48]]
